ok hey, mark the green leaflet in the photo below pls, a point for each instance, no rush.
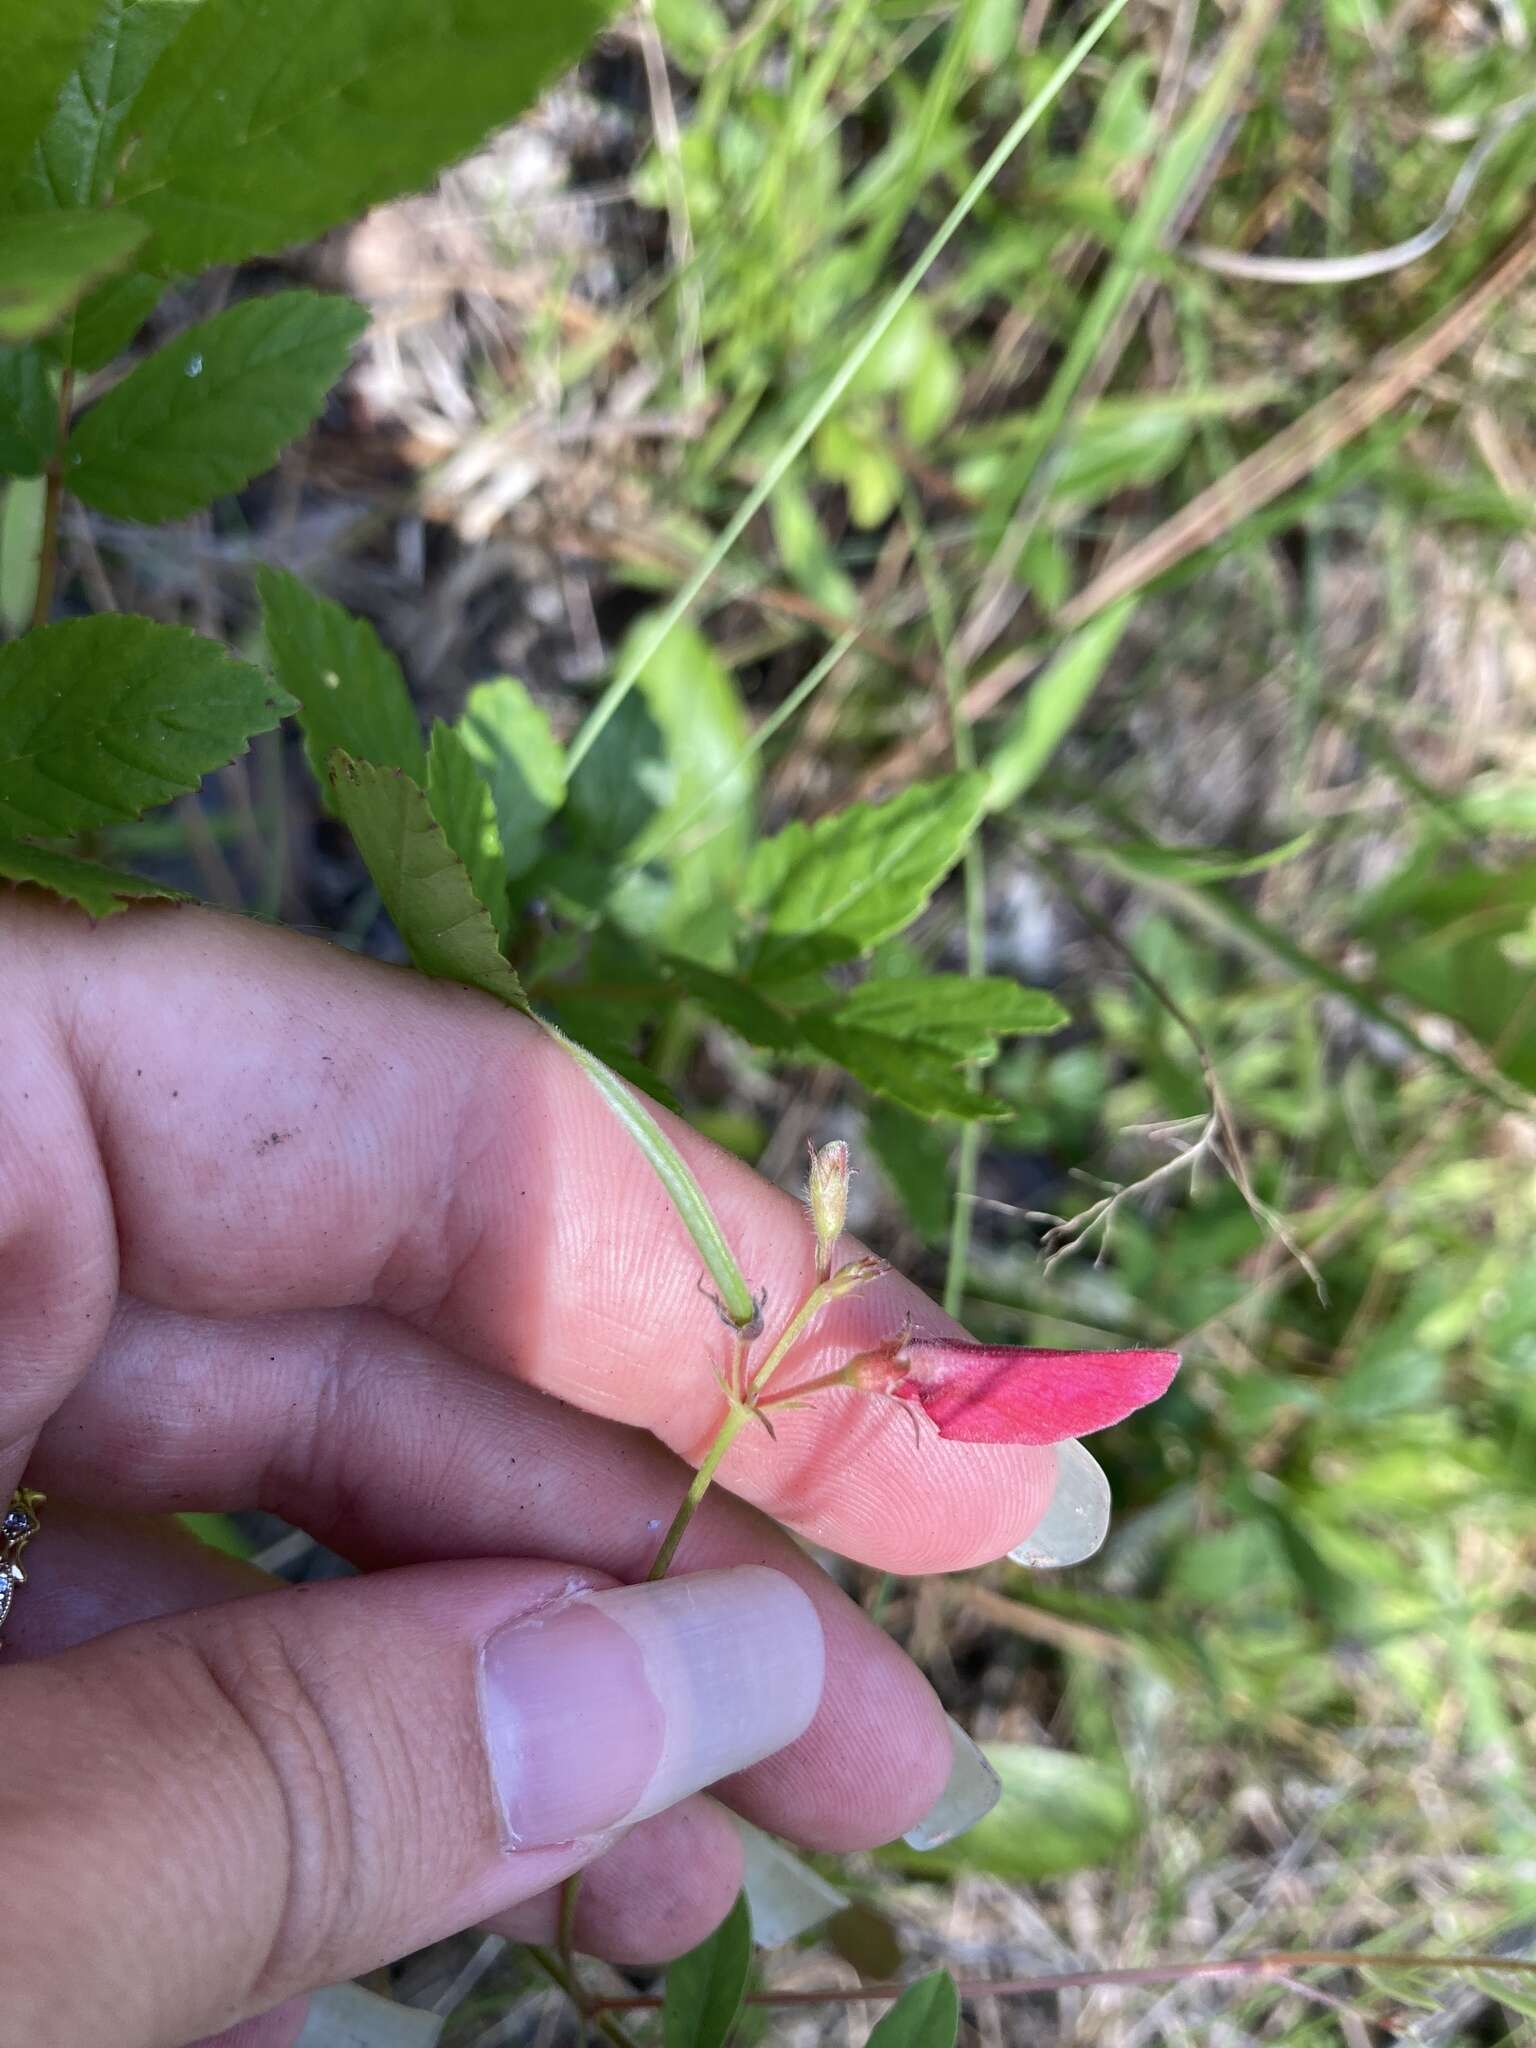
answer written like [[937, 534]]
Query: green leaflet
[[927, 2015], [921, 1078], [507, 737], [461, 804], [705, 1987], [75, 160], [831, 890], [41, 40], [424, 885], [47, 260], [101, 891], [959, 1014], [29, 412], [213, 408], [350, 691], [102, 718], [262, 124]]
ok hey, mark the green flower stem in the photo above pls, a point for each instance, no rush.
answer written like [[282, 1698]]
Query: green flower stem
[[728, 1432], [742, 1409]]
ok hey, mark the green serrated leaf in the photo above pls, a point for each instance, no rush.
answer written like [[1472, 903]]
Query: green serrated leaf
[[109, 317], [522, 764], [461, 804], [213, 408], [1055, 702], [47, 260], [743, 1008], [29, 412], [41, 40], [261, 125], [927, 2015], [831, 890], [424, 885], [957, 1013], [75, 160], [101, 891], [919, 1077], [102, 718], [350, 691], [709, 781], [705, 1988]]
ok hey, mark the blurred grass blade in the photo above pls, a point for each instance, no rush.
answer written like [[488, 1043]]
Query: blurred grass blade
[[800, 439], [1055, 701], [683, 1191], [1173, 176]]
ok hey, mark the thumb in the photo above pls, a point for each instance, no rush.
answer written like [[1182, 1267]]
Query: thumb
[[214, 1811]]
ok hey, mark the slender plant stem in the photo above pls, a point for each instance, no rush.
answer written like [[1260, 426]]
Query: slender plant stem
[[729, 1430], [53, 494], [648, 642], [739, 1414], [554, 1968], [974, 881], [1270, 1964]]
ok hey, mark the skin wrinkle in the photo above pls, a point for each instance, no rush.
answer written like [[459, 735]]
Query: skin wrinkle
[[658, 1892], [611, 1256], [509, 1470]]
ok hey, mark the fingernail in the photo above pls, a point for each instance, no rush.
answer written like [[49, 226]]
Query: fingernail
[[1077, 1520], [972, 1789], [784, 1895], [603, 1710], [347, 2016]]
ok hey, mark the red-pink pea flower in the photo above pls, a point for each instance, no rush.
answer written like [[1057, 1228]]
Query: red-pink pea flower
[[1009, 1394]]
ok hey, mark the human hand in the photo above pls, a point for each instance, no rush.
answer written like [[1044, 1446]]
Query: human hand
[[284, 1228]]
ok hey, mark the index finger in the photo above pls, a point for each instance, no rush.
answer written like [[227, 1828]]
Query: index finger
[[226, 1119]]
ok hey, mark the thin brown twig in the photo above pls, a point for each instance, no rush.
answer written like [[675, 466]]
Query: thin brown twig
[[1275, 1964], [1283, 462]]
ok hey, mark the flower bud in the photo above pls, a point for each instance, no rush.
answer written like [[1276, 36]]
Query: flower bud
[[856, 1274], [826, 1194]]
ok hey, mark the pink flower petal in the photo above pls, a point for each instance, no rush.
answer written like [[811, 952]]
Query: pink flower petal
[[1006, 1394]]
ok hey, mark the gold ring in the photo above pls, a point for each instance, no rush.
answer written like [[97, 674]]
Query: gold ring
[[18, 1526]]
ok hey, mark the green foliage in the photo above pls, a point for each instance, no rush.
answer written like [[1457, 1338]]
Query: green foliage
[[1054, 704], [75, 161], [927, 2015], [350, 692], [102, 718], [29, 412], [830, 891], [48, 260], [1059, 1812], [506, 738], [260, 125], [423, 883], [41, 44], [204, 414], [98, 890], [705, 1988]]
